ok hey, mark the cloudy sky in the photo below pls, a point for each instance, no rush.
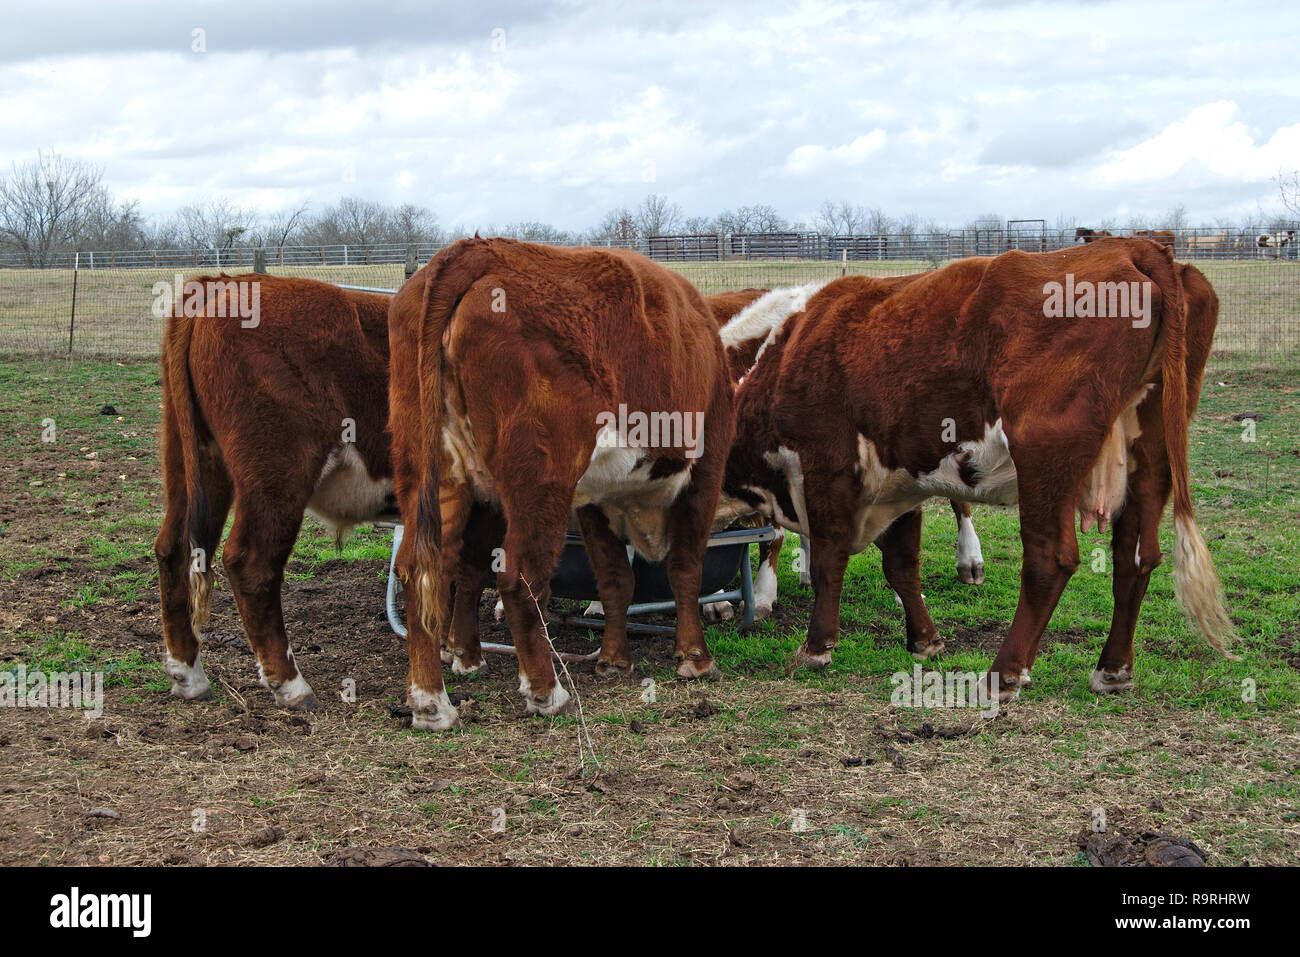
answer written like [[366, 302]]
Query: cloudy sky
[[493, 111]]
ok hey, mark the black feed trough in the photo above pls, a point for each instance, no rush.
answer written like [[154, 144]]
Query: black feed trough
[[726, 558]]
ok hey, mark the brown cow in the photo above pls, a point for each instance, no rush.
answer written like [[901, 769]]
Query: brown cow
[[845, 426], [1090, 235], [516, 371], [746, 320], [279, 413]]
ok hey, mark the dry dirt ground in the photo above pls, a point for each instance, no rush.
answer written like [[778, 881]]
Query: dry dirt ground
[[760, 767]]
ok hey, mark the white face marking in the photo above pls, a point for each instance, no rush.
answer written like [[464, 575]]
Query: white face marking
[[345, 493], [635, 504], [188, 681], [431, 710]]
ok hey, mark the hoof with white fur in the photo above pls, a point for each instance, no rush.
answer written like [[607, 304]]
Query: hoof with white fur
[[461, 664], [554, 702], [499, 611], [294, 693], [1105, 682], [188, 681], [594, 610], [431, 711], [719, 611], [971, 573]]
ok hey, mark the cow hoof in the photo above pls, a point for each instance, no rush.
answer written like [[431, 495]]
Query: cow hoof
[[803, 658], [1104, 682], [926, 652], [613, 669], [719, 611], [1007, 691], [594, 610], [972, 574], [460, 666], [295, 693], [762, 611], [189, 683], [557, 702], [431, 712], [693, 668], [499, 611]]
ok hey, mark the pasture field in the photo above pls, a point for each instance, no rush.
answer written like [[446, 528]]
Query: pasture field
[[760, 767], [1259, 317]]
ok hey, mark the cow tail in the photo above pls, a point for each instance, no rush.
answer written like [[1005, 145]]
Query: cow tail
[[1196, 583], [180, 426], [448, 278]]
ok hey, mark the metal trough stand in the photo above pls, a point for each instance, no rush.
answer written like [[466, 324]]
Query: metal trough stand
[[744, 593]]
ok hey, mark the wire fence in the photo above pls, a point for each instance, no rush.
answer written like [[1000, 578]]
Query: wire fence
[[1248, 242], [116, 313]]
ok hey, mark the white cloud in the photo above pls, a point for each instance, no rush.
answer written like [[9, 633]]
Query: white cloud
[[811, 159], [1210, 143]]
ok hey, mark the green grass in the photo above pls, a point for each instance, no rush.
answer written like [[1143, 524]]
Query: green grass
[[1247, 497], [69, 652]]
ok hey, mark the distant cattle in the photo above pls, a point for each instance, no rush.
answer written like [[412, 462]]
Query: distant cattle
[[517, 373], [276, 414], [840, 432], [1090, 235], [1208, 245], [1275, 242]]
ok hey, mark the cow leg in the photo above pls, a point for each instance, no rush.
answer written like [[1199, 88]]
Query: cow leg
[[690, 520], [1051, 556], [765, 582], [828, 502], [900, 558], [482, 533], [260, 543], [1135, 544], [537, 519], [615, 583], [185, 578], [970, 558]]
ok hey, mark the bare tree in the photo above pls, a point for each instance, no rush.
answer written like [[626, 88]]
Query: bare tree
[[283, 226], [416, 224], [656, 216], [44, 205], [618, 226], [699, 224], [1288, 187], [111, 225], [759, 218], [217, 224]]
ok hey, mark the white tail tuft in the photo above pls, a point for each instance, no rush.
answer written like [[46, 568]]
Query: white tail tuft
[[1197, 587]]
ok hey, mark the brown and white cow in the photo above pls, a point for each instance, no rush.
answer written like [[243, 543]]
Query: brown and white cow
[[513, 365], [277, 414], [746, 321], [845, 426]]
